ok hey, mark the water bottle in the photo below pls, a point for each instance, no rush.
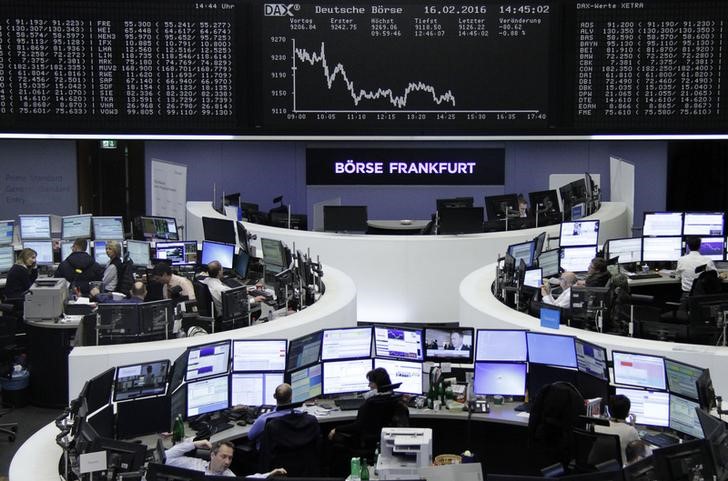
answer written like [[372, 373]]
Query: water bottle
[[178, 432], [355, 470]]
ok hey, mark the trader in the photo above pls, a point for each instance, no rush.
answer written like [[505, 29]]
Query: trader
[[619, 406], [213, 281], [597, 275], [111, 273], [22, 275], [162, 273], [137, 293], [79, 268], [568, 279], [221, 455], [686, 265], [282, 395]]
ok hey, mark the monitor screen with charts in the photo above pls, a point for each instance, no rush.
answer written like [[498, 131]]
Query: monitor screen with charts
[[711, 247], [641, 370], [76, 226], [533, 278], [450, 344], [208, 360], [7, 258], [35, 227], [141, 380], [304, 351], [274, 255], [628, 250], [501, 345], [500, 378], [577, 259], [682, 378], [709, 224], [650, 408], [216, 251], [138, 252], [208, 396], [306, 383], [342, 377], [178, 253], [43, 249], [6, 232], [658, 224], [591, 359], [111, 227], [684, 417], [259, 355], [398, 343], [579, 233], [408, 373], [661, 249], [164, 228], [551, 349], [100, 255], [348, 343], [525, 251], [254, 388], [549, 262]]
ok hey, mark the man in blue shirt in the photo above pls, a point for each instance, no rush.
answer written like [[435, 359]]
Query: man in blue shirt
[[282, 395]]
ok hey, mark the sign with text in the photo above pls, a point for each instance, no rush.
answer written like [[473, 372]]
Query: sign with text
[[405, 166]]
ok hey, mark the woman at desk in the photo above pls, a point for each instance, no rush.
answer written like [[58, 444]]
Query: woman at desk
[[111, 273], [22, 275]]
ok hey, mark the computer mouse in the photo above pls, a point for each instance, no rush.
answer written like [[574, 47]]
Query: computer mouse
[[242, 422]]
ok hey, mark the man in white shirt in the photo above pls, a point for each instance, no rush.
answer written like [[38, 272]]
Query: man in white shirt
[[162, 273], [619, 407], [214, 283], [221, 455], [686, 264], [567, 280]]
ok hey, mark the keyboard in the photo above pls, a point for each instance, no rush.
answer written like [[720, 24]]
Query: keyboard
[[256, 293], [646, 275], [661, 440], [232, 282], [523, 407], [349, 404]]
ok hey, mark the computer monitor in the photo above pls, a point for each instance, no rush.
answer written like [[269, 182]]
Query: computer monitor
[[110, 227], [103, 421], [462, 220], [628, 250], [259, 355], [343, 377], [708, 224], [6, 232], [525, 251], [587, 301], [550, 315], [141, 380], [651, 408], [501, 206], [179, 368], [545, 202], [345, 218], [549, 261], [684, 417], [453, 344], [711, 247], [502, 378], [208, 360], [501, 345], [100, 255], [346, 343], [576, 259], [183, 253], [117, 319], [235, 304], [208, 395], [164, 472], [660, 249], [7, 258], [142, 417], [539, 241], [240, 263], [714, 431], [682, 378], [121, 456], [254, 388], [591, 359], [306, 383], [76, 226], [551, 349], [642, 470], [304, 351], [219, 230], [35, 227], [706, 393], [138, 252], [579, 233], [163, 228], [408, 373], [44, 249], [398, 343], [453, 203], [97, 390], [691, 460], [657, 224], [641, 370], [541, 375], [578, 211], [216, 251], [274, 255], [533, 278], [156, 317]]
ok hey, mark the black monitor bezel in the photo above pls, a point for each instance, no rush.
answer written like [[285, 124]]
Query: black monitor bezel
[[510, 363], [477, 342], [208, 344], [323, 374], [318, 333], [606, 360]]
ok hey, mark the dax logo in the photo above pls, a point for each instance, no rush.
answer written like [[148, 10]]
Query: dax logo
[[279, 9]]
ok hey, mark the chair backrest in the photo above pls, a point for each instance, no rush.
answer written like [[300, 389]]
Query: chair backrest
[[292, 442], [591, 449], [706, 283], [379, 412], [204, 298]]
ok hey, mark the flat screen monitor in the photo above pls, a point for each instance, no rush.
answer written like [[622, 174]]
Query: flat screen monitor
[[111, 227], [216, 251], [100, 255], [660, 249], [6, 232], [691, 460], [254, 388], [540, 241], [578, 211], [346, 343], [545, 202], [274, 255], [551, 349], [67, 249], [641, 370], [182, 253], [208, 396], [577, 259], [650, 408], [342, 377], [501, 206], [408, 373], [97, 390], [453, 203], [449, 344], [142, 417], [502, 378], [141, 380], [76, 226], [156, 316], [525, 251], [684, 417], [657, 224], [164, 472], [240, 263], [179, 368], [304, 351], [501, 345], [682, 378], [306, 383], [550, 261], [118, 319], [163, 228], [591, 359], [345, 218], [708, 224], [44, 249], [579, 233], [259, 355], [235, 304], [219, 230], [138, 252], [398, 343], [533, 278], [7, 258], [711, 247], [628, 250], [35, 227], [208, 360], [103, 421], [464, 220]]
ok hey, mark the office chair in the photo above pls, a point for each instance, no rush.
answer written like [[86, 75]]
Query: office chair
[[205, 309], [293, 442], [8, 347], [593, 449]]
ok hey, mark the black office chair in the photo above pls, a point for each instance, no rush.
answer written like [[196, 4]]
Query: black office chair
[[205, 309], [293, 442], [593, 449]]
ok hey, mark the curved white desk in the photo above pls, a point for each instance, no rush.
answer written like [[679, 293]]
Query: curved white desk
[[336, 308], [406, 278], [481, 309]]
